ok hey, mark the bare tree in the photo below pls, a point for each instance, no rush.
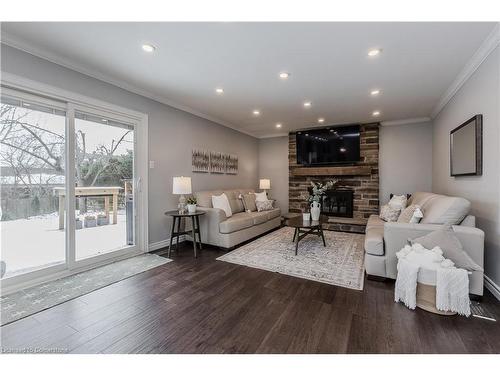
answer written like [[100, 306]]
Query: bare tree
[[26, 145]]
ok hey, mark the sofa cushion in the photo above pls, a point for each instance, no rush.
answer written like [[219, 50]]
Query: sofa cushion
[[236, 222], [420, 198], [266, 205], [411, 214], [234, 200], [249, 202], [374, 240], [246, 191], [275, 212], [398, 202], [452, 248], [389, 214], [221, 201], [259, 217], [442, 209], [204, 198], [261, 197]]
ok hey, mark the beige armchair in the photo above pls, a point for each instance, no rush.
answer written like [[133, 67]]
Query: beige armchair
[[383, 240]]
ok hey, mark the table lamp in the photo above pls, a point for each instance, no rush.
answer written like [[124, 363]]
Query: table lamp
[[265, 184], [182, 185]]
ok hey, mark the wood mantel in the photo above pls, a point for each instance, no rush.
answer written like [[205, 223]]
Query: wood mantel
[[353, 170]]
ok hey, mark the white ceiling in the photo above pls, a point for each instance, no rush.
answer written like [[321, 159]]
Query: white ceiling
[[328, 63]]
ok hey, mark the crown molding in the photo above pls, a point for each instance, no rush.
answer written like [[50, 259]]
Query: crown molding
[[416, 121], [14, 42], [488, 45]]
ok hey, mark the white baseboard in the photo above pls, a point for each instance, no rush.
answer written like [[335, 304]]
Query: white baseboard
[[164, 243], [492, 287]]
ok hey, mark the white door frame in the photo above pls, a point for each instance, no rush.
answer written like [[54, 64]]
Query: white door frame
[[76, 101]]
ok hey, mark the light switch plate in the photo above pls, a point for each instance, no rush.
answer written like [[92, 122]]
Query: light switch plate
[[151, 164]]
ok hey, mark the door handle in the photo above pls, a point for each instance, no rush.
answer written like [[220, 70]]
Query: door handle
[[138, 185]]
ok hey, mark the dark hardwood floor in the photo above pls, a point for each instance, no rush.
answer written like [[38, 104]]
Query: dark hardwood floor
[[207, 306]]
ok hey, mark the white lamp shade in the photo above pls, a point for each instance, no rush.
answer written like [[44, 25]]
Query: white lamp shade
[[182, 185], [265, 184]]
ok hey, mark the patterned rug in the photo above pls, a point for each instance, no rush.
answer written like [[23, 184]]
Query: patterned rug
[[340, 263], [32, 300]]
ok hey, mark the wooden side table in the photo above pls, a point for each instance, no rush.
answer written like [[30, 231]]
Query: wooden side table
[[195, 221]]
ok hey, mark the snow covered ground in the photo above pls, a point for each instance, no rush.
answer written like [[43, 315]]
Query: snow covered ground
[[34, 243]]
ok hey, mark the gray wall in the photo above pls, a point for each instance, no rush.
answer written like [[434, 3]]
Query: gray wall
[[273, 164], [172, 135], [479, 95], [405, 159]]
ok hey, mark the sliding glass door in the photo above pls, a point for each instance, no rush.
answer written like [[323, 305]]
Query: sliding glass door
[[69, 183], [104, 192], [32, 166]]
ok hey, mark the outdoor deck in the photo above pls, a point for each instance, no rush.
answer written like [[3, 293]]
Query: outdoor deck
[[30, 244]]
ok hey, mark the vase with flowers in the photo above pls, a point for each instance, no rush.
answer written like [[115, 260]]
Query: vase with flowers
[[318, 189]]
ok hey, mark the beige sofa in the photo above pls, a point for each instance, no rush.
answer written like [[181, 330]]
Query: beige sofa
[[226, 232], [383, 240]]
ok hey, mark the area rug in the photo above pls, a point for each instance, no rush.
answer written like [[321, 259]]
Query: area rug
[[340, 263], [35, 299]]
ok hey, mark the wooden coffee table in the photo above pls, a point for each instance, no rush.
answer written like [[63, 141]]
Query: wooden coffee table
[[303, 228]]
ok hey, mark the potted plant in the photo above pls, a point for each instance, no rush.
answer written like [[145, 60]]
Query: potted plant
[[102, 219], [191, 205], [79, 223], [317, 191], [90, 221]]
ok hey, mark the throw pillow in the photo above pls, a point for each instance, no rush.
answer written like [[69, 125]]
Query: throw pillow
[[452, 248], [264, 205], [261, 197], [221, 201], [249, 202], [398, 202], [389, 214], [411, 214]]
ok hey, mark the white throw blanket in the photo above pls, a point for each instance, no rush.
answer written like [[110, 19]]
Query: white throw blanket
[[452, 290], [452, 284], [406, 283]]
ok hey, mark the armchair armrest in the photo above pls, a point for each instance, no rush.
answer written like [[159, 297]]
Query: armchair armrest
[[396, 236]]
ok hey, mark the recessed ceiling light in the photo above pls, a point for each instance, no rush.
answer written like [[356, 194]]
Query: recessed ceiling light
[[374, 92], [278, 125], [307, 104], [26, 104], [256, 112], [148, 47], [219, 90], [321, 120], [374, 52], [376, 113], [284, 75]]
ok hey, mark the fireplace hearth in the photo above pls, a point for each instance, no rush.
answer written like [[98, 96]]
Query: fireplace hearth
[[337, 203]]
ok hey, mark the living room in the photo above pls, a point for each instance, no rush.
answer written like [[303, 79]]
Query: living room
[[165, 191]]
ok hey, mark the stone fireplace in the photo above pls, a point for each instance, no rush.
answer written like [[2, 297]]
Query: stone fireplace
[[358, 180]]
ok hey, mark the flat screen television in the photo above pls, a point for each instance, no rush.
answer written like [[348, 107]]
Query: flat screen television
[[332, 145]]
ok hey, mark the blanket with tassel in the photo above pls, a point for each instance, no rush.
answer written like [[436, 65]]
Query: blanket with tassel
[[452, 284]]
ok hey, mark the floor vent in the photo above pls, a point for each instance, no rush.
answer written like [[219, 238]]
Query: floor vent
[[482, 312]]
